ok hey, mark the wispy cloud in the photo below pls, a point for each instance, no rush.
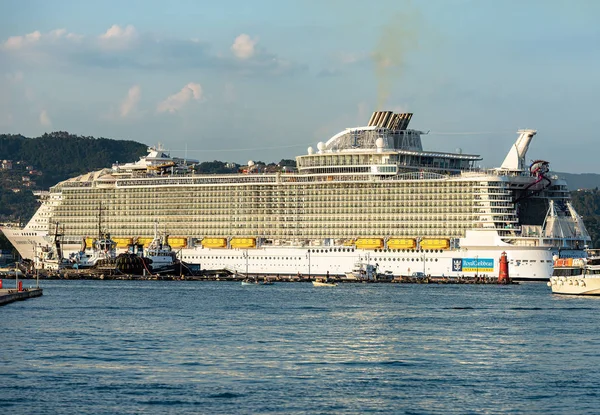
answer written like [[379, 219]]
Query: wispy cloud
[[36, 38], [45, 119], [131, 100], [175, 102], [18, 42]]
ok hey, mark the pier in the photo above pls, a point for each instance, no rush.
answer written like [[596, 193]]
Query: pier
[[8, 296], [226, 275]]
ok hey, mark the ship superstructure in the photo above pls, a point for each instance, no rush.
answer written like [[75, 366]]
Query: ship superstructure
[[369, 194]]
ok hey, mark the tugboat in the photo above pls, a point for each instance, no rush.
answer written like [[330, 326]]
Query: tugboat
[[102, 253], [158, 258], [162, 258]]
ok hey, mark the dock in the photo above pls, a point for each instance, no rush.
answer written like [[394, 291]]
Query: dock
[[8, 296]]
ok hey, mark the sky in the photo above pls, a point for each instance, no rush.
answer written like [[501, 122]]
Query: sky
[[263, 80]]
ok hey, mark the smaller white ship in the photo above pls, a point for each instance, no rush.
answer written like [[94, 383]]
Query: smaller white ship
[[577, 276], [362, 271]]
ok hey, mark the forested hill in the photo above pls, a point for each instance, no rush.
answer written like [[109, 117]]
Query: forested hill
[[60, 155]]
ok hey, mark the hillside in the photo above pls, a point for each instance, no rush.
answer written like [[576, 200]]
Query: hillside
[[581, 181], [59, 155]]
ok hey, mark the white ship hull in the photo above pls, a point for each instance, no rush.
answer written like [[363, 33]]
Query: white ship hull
[[575, 285], [25, 241], [320, 261]]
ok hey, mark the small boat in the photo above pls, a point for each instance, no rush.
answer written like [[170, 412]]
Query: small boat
[[362, 271], [249, 282], [577, 276], [324, 283]]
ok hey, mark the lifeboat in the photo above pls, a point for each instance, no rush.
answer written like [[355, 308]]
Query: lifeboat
[[563, 262], [401, 243], [177, 242], [144, 241], [435, 244], [369, 243], [243, 242], [214, 242]]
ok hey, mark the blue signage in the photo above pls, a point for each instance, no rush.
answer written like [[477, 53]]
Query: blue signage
[[472, 264]]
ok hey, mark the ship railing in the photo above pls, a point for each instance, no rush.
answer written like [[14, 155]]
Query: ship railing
[[494, 172]]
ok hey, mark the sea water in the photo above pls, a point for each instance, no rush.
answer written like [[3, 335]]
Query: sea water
[[121, 347]]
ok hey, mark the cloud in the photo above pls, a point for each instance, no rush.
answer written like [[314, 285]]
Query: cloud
[[125, 47], [243, 46], [176, 101], [130, 101], [117, 37], [45, 119], [18, 42]]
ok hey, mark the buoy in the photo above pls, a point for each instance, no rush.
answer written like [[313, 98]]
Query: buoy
[[549, 284], [503, 277]]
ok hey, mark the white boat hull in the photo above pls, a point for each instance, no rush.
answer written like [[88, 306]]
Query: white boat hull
[[324, 284], [577, 285]]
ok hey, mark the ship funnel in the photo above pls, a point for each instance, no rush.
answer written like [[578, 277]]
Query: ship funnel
[[515, 159], [387, 119]]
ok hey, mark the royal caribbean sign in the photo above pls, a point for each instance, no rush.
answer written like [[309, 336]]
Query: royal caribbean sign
[[472, 265]]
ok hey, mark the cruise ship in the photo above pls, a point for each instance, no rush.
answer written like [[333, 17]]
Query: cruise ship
[[368, 195]]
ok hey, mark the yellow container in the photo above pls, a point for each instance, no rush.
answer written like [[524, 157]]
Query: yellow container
[[369, 243], [243, 242], [214, 242], [435, 244], [89, 242], [123, 242], [401, 243], [177, 241]]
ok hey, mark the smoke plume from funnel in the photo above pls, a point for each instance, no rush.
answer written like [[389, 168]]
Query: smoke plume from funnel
[[398, 37]]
